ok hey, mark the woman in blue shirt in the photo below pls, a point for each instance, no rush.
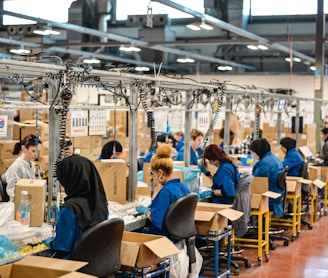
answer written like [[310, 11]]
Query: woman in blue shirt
[[196, 151], [268, 165], [162, 168], [84, 206], [293, 158], [226, 176]]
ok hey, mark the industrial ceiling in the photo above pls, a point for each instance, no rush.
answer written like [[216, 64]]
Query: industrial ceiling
[[92, 31]]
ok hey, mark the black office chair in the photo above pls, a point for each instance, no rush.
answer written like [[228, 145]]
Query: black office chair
[[179, 223], [3, 188], [100, 246], [274, 233]]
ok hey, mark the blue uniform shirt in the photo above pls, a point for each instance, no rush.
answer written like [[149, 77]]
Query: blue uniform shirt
[[180, 144], [194, 156], [67, 231], [270, 166], [224, 179], [293, 160]]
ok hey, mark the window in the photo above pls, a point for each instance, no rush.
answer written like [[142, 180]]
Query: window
[[45, 9], [139, 7], [281, 7]]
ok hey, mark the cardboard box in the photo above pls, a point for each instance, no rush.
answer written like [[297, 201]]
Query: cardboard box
[[213, 217], [40, 267], [44, 162], [260, 194], [37, 197], [113, 173], [44, 148], [141, 192], [314, 172], [23, 129], [324, 172], [5, 163], [88, 142], [144, 250], [6, 149], [305, 151], [294, 184]]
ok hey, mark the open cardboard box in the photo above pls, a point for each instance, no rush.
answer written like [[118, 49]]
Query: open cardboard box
[[260, 194], [41, 267], [314, 172], [145, 250], [305, 151], [315, 185], [294, 184], [213, 217]]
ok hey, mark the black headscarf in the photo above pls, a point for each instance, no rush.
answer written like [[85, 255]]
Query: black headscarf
[[288, 143], [260, 147], [85, 192], [108, 149]]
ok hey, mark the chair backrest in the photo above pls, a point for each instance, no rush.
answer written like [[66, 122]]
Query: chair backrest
[[179, 221], [282, 178], [304, 170], [3, 188], [100, 246]]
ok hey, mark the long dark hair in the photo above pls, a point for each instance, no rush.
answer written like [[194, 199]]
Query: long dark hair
[[215, 152], [27, 141]]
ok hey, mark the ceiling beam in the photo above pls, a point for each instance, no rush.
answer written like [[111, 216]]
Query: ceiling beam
[[236, 30], [124, 39]]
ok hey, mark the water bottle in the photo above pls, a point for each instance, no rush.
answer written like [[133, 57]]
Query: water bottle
[[24, 209]]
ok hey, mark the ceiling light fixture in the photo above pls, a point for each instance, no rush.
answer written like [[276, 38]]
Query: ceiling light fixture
[[313, 68], [142, 69], [252, 47], [295, 59], [46, 31], [185, 60], [197, 26], [130, 48], [20, 51], [262, 47], [91, 61], [224, 68], [205, 26]]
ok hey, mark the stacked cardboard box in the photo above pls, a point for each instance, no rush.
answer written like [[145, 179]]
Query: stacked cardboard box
[[6, 156], [88, 146]]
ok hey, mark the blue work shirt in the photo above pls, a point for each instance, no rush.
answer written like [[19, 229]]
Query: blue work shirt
[[194, 156], [270, 166], [67, 231], [293, 160], [224, 179], [180, 144], [149, 156]]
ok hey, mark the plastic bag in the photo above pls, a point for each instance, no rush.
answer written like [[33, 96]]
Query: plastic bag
[[7, 212], [179, 263], [191, 177]]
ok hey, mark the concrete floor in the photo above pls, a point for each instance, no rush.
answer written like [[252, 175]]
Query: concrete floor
[[306, 256]]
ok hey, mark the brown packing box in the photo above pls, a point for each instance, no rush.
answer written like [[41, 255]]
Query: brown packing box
[[6, 149], [5, 163], [113, 173], [294, 184], [44, 148], [142, 191], [41, 267], [44, 162], [23, 129], [305, 151], [260, 194], [88, 142], [144, 250], [314, 172], [37, 197], [213, 217], [324, 172]]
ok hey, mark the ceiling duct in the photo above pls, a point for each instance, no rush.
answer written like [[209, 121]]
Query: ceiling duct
[[141, 20], [155, 34]]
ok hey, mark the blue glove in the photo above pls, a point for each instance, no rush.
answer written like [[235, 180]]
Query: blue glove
[[141, 209], [203, 169], [205, 194]]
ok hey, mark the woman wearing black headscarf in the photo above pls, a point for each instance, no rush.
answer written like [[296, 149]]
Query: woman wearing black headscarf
[[293, 158], [112, 149], [84, 206], [268, 165]]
